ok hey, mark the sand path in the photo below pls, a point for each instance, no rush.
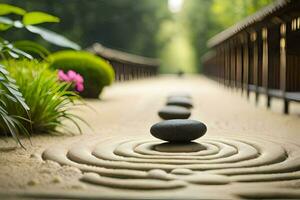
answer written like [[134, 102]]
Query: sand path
[[127, 111]]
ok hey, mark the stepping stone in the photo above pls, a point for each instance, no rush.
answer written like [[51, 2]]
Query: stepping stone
[[179, 148], [180, 101], [184, 95], [178, 130], [174, 112]]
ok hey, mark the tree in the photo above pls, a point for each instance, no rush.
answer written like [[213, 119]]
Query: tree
[[121, 24], [205, 18]]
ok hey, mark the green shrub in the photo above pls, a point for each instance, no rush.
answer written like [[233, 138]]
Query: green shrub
[[49, 100], [97, 73]]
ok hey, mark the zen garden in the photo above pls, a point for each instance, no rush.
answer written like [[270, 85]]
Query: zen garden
[[149, 99]]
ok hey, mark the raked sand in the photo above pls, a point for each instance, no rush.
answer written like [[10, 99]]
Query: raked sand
[[248, 149]]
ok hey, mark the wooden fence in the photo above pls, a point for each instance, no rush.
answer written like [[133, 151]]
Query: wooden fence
[[260, 54], [127, 66]]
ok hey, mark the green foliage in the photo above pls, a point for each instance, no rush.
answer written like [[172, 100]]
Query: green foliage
[[32, 48], [8, 9], [204, 20], [32, 18], [49, 100], [126, 25], [41, 89], [8, 49], [53, 37], [177, 46], [10, 96], [28, 19], [228, 12], [198, 20], [113, 23], [96, 72]]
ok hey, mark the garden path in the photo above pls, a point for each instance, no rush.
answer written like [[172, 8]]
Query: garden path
[[127, 111]]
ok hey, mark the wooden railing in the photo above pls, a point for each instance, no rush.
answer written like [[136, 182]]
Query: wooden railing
[[261, 57], [127, 66]]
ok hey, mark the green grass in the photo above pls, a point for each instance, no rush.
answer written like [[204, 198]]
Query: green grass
[[49, 100], [97, 73]]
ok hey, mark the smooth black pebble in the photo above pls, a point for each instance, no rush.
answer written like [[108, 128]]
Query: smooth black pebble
[[180, 95], [179, 147], [174, 112], [178, 130], [180, 101]]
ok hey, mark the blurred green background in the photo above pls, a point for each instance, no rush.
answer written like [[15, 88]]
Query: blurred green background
[[176, 31]]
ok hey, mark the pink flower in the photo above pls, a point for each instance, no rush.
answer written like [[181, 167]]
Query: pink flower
[[73, 77], [62, 76], [78, 78], [79, 87]]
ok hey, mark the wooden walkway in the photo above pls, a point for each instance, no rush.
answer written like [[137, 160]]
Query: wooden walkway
[[260, 54]]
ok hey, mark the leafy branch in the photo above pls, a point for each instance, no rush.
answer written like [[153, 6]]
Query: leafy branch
[[29, 20]]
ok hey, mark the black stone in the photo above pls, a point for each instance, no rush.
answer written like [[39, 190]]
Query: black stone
[[180, 101], [179, 147], [178, 130], [174, 112], [180, 95]]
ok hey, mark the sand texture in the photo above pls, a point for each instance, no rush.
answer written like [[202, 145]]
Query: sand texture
[[247, 152]]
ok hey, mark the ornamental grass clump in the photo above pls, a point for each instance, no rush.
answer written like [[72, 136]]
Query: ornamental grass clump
[[50, 100], [97, 73]]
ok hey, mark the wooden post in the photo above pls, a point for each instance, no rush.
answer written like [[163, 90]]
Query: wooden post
[[121, 72], [117, 73], [233, 65], [255, 64], [223, 64], [283, 66], [226, 52], [246, 64], [125, 68], [265, 64], [228, 65], [239, 63], [219, 64]]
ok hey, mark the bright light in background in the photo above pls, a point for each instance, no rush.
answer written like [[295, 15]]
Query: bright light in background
[[175, 5]]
